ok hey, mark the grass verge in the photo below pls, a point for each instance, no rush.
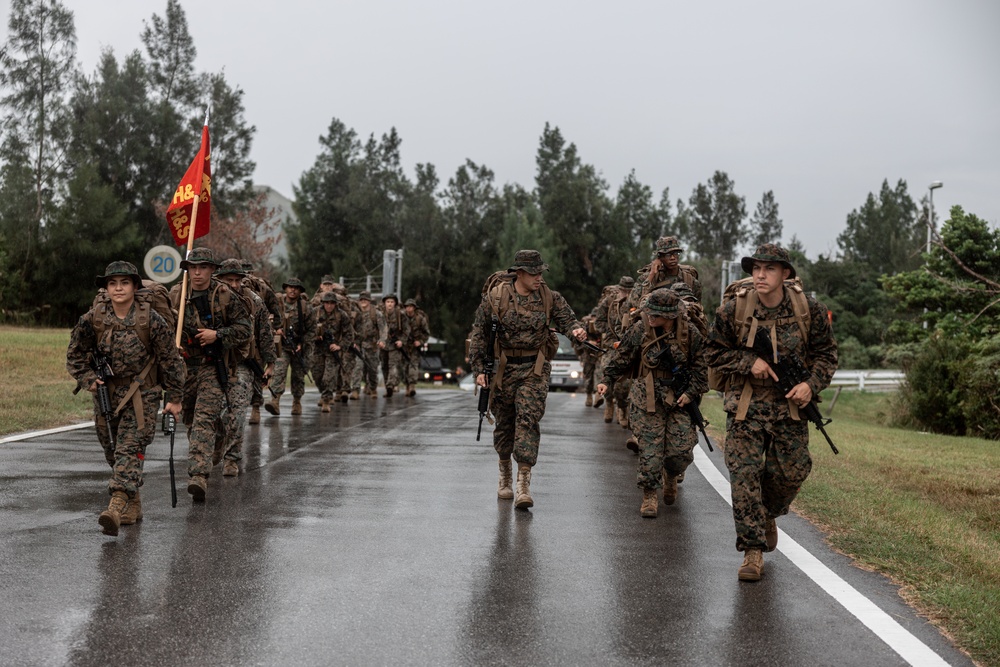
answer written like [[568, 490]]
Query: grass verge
[[37, 390], [921, 508]]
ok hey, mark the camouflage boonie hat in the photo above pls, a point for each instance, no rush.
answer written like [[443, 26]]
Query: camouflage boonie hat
[[231, 267], [327, 280], [199, 256], [120, 268], [683, 290], [247, 265], [328, 296], [768, 252], [666, 245], [390, 296], [293, 282], [627, 281], [365, 296], [530, 261], [662, 302], [411, 302]]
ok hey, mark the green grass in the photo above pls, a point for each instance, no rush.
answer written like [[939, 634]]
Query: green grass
[[918, 507], [37, 390]]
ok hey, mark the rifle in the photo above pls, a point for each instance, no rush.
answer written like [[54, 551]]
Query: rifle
[[680, 383], [102, 367], [490, 363], [292, 341], [169, 428], [214, 353], [357, 352], [596, 349], [791, 371]]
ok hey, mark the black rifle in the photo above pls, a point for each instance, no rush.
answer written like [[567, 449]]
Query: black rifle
[[214, 353], [169, 428], [357, 352], [292, 341], [102, 367], [489, 363], [680, 383], [596, 349], [791, 371]]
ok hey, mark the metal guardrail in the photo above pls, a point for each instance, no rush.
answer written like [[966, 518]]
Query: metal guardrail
[[874, 380]]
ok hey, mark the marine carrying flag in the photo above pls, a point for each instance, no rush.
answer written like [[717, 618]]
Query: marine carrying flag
[[197, 182]]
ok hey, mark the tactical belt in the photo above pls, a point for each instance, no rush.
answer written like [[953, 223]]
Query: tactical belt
[[522, 360], [531, 356], [653, 377]]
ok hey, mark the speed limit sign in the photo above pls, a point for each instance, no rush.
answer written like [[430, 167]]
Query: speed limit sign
[[162, 263]]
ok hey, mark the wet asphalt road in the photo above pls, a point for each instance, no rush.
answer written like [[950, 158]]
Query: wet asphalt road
[[373, 536]]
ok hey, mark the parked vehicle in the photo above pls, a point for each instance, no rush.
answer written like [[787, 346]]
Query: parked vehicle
[[432, 368], [567, 371]]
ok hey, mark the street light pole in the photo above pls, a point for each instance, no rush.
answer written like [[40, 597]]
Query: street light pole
[[930, 219], [930, 226]]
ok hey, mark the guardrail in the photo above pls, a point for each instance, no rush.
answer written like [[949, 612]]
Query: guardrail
[[874, 380]]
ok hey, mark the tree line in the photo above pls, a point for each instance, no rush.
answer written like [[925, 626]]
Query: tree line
[[88, 162]]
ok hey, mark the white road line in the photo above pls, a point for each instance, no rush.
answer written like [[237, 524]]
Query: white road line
[[38, 434], [892, 633]]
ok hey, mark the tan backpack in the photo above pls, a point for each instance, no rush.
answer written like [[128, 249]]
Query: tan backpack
[[746, 301]]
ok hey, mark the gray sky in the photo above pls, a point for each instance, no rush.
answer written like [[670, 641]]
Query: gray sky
[[817, 101]]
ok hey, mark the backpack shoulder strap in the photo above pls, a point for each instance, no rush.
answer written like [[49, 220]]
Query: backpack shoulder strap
[[800, 306]]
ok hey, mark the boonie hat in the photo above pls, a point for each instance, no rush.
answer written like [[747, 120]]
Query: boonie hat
[[683, 291], [231, 267], [390, 296], [327, 280], [199, 256], [328, 296], [120, 268], [293, 282], [627, 281], [411, 302], [530, 261], [768, 252], [365, 295], [665, 245], [662, 302]]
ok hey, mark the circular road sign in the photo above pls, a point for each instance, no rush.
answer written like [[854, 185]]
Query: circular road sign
[[162, 263]]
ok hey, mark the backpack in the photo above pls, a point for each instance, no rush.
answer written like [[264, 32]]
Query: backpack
[[746, 301], [151, 296], [500, 294], [643, 372]]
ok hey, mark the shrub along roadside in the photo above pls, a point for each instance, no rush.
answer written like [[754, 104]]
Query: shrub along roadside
[[918, 507]]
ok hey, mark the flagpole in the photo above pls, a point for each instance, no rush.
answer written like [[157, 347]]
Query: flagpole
[[190, 245]]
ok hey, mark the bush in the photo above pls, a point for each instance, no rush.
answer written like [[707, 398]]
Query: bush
[[853, 355], [934, 387], [979, 383]]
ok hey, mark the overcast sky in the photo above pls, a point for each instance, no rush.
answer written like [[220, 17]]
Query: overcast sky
[[817, 101]]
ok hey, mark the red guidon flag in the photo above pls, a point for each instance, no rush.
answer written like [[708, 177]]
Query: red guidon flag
[[197, 182]]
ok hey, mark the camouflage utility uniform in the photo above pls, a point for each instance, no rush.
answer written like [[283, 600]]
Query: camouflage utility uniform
[[258, 352], [129, 357], [298, 324], [767, 443], [204, 397], [522, 381], [369, 329], [667, 245], [418, 336], [666, 436], [264, 290], [332, 329], [394, 357]]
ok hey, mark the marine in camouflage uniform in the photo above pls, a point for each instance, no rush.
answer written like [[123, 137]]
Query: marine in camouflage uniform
[[228, 322], [264, 290], [131, 360], [393, 344], [418, 336], [666, 436], [369, 329], [608, 320], [767, 443], [297, 331], [259, 358], [664, 270], [521, 383], [692, 307], [588, 358], [334, 335]]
